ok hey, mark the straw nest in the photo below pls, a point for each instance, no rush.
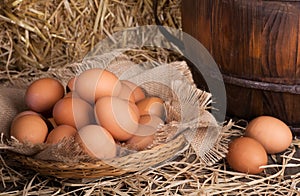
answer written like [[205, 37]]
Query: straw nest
[[39, 35]]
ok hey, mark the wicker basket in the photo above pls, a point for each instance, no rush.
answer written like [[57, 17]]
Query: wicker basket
[[130, 162], [115, 167]]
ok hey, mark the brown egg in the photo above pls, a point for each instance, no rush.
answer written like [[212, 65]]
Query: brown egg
[[134, 107], [69, 94], [126, 93], [72, 94], [151, 120], [51, 124], [29, 128], [26, 112], [148, 125], [43, 93], [137, 91], [96, 141], [144, 136], [49, 121], [74, 112], [59, 133], [271, 132], [70, 85], [151, 106], [117, 116], [138, 142], [246, 155], [95, 83]]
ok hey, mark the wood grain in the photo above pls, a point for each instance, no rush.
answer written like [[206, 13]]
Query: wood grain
[[255, 42]]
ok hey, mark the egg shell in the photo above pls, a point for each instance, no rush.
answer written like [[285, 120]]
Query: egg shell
[[70, 85], [59, 133], [271, 132], [42, 94], [151, 120], [138, 142], [134, 107], [72, 94], [29, 128], [74, 112], [137, 91], [118, 116], [49, 121], [126, 93], [145, 133], [51, 124], [95, 83], [26, 112], [148, 125], [246, 155], [151, 106], [96, 141]]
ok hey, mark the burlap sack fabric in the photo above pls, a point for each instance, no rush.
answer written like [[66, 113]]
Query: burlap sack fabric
[[185, 105], [11, 103]]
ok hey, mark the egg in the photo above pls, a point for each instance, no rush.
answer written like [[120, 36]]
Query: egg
[[118, 116], [271, 132], [29, 128], [72, 94], [95, 83], [42, 94], [126, 93], [70, 85], [138, 142], [50, 123], [26, 112], [74, 112], [144, 135], [148, 125], [134, 107], [151, 120], [151, 106], [96, 141], [59, 133], [137, 91], [246, 155]]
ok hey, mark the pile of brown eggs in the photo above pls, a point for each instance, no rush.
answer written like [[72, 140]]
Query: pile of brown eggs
[[98, 109], [263, 135]]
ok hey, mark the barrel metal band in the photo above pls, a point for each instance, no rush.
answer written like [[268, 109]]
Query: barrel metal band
[[281, 88]]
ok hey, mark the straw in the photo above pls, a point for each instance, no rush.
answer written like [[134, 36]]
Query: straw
[[36, 36], [184, 175]]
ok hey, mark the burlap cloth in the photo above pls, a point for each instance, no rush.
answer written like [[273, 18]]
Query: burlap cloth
[[11, 103], [186, 108]]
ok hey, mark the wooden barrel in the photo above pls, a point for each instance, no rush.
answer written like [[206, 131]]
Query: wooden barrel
[[256, 45]]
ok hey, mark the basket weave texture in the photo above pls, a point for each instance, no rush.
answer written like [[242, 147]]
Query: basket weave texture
[[118, 166]]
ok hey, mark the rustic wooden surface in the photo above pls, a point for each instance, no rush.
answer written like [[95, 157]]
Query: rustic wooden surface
[[256, 45]]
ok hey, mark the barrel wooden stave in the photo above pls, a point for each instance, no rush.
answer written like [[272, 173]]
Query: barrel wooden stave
[[252, 41]]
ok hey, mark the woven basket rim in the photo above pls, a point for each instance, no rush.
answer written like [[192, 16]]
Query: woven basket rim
[[100, 168]]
